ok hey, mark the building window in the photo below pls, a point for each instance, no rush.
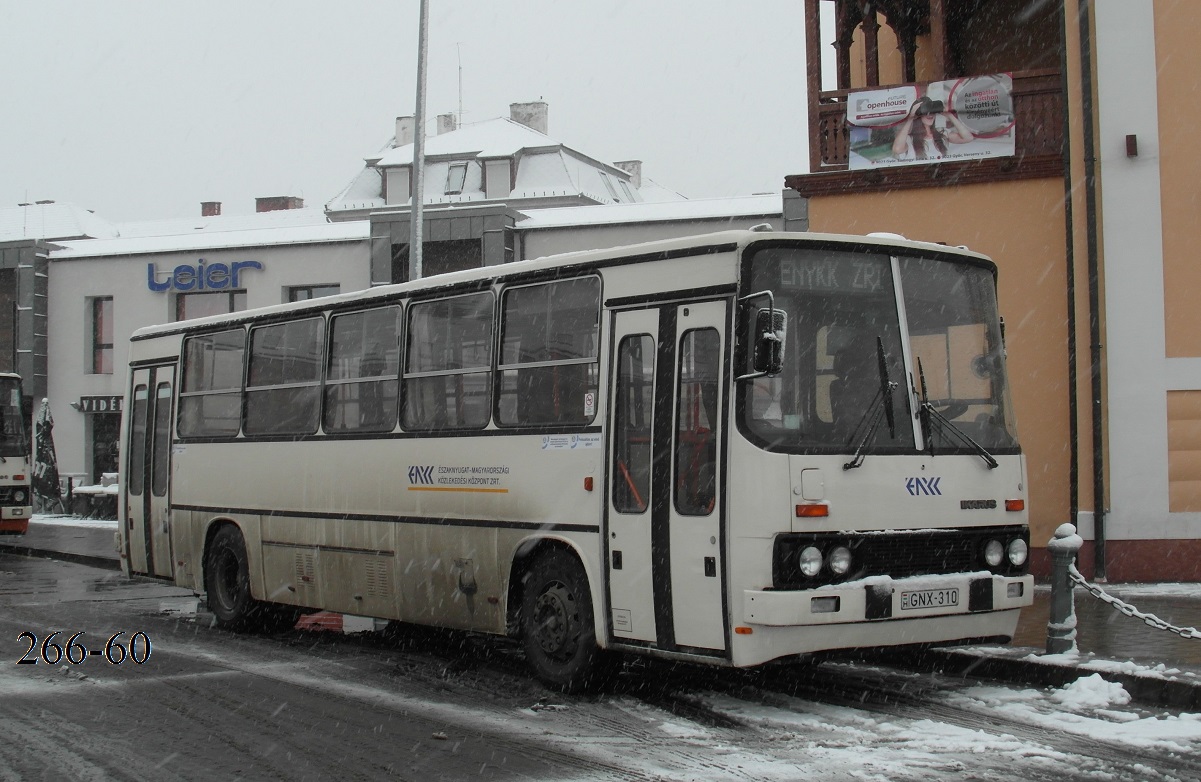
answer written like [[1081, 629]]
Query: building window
[[199, 305], [102, 335], [456, 175], [306, 292]]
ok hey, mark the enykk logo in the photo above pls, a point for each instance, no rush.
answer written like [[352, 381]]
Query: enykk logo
[[421, 475], [916, 486]]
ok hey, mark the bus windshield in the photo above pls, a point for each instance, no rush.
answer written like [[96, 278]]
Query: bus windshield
[[955, 337], [12, 430], [844, 352]]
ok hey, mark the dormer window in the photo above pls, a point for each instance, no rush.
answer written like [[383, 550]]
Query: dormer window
[[456, 175], [604, 175]]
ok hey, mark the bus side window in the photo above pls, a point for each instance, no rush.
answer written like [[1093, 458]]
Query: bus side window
[[549, 345], [633, 408], [210, 399], [696, 422], [283, 383], [361, 376], [448, 363]]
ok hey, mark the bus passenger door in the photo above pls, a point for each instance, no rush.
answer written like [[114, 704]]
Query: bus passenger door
[[148, 466], [695, 508], [629, 572], [663, 534]]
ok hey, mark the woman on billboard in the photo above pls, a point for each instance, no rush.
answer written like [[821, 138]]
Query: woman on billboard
[[919, 138]]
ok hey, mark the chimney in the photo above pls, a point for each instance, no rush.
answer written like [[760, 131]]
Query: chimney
[[210, 208], [633, 168], [532, 115], [405, 129], [446, 123], [276, 203]]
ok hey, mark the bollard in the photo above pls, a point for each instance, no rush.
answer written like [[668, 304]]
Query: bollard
[[1061, 624]]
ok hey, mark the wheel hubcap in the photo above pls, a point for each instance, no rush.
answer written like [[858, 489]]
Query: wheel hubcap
[[556, 621], [227, 579]]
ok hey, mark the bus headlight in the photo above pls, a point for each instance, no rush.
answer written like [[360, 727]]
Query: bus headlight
[[19, 496], [810, 561], [1018, 551], [839, 561], [994, 552]]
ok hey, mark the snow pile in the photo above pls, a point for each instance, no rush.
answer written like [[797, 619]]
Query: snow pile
[[1090, 692]]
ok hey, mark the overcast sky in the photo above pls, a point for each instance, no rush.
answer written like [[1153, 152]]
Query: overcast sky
[[141, 110]]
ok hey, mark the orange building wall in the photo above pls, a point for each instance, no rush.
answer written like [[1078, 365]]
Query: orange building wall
[[1020, 225], [1179, 96]]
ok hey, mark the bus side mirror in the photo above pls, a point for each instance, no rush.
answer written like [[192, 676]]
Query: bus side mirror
[[771, 334]]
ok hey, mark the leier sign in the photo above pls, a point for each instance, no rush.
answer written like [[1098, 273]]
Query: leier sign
[[203, 276]]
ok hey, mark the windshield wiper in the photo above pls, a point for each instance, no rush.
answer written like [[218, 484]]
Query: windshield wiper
[[931, 418], [881, 406]]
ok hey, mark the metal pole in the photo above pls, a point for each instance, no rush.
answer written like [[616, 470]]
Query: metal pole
[[418, 198], [1061, 624]]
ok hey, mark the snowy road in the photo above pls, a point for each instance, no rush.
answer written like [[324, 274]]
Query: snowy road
[[432, 706]]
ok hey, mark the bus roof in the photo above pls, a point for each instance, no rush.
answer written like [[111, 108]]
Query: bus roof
[[711, 242]]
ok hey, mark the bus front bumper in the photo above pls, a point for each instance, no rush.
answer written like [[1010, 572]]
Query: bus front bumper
[[886, 599]]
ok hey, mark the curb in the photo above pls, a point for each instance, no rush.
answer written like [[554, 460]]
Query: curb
[[1146, 689], [107, 563]]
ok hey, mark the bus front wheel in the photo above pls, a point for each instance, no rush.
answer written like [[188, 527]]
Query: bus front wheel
[[558, 632], [227, 582]]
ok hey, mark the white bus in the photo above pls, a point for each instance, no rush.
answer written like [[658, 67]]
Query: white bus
[[16, 499], [731, 448]]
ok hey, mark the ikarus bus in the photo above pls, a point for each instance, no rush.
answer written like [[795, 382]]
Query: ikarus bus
[[16, 500], [732, 449]]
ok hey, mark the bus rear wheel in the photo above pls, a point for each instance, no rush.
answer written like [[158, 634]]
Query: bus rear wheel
[[227, 582], [558, 631]]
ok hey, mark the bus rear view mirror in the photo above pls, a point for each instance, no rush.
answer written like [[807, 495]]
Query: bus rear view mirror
[[771, 333]]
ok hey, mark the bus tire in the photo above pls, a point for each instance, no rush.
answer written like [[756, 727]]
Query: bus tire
[[227, 582], [558, 632]]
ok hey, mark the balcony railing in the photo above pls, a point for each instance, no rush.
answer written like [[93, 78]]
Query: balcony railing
[[1038, 106]]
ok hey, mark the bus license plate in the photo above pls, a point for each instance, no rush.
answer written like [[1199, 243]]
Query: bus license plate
[[929, 598]]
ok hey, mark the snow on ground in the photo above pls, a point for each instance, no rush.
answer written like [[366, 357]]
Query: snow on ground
[[72, 521], [1089, 706]]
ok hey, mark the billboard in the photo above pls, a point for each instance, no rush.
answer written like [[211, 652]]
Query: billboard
[[916, 124]]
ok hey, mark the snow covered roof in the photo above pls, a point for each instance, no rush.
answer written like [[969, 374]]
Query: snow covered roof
[[770, 205], [268, 235], [51, 220], [278, 218], [544, 169], [499, 137]]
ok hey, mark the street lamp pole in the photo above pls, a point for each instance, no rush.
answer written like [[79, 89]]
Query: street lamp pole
[[418, 198]]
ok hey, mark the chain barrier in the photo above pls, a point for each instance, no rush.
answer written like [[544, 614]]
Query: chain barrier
[[1151, 620]]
